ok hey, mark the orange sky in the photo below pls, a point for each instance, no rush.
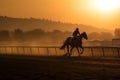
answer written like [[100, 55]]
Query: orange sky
[[74, 11]]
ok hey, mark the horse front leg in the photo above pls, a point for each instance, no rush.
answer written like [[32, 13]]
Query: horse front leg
[[71, 51], [68, 53], [78, 51]]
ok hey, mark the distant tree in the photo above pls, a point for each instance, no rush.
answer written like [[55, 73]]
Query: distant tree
[[100, 36], [56, 35], [106, 36], [18, 34], [67, 33], [35, 34], [117, 32], [4, 35], [94, 36], [57, 31], [38, 32]]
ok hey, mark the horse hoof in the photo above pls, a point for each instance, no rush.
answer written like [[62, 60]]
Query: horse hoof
[[64, 55], [81, 53]]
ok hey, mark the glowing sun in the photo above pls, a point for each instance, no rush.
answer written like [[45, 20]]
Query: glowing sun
[[106, 5]]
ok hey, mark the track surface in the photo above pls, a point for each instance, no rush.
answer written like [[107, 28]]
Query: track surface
[[14, 67]]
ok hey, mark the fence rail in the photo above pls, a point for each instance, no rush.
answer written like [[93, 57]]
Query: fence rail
[[54, 50]]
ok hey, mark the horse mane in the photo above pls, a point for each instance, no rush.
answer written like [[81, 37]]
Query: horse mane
[[83, 33]]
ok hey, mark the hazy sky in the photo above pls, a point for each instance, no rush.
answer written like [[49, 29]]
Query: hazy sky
[[98, 13]]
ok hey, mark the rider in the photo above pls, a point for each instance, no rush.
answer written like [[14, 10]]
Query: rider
[[76, 32]]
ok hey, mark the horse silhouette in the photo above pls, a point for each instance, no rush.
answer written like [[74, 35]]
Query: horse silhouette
[[74, 42]]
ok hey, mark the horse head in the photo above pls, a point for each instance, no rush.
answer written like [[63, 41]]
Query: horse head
[[84, 35]]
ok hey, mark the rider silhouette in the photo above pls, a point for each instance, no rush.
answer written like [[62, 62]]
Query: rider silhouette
[[76, 32]]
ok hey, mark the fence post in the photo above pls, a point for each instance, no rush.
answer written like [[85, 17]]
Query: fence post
[[31, 50], [0, 50], [47, 51], [118, 52], [23, 50], [6, 49], [11, 49], [92, 51], [17, 50], [113, 51], [38, 50], [103, 52], [56, 51]]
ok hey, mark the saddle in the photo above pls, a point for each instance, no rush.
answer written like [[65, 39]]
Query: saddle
[[73, 38]]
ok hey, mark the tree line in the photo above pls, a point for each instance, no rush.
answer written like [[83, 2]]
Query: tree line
[[33, 35], [55, 35]]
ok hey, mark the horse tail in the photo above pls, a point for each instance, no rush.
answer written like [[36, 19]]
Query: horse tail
[[63, 46], [65, 43]]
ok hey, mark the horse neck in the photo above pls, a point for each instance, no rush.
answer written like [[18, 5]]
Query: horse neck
[[81, 36]]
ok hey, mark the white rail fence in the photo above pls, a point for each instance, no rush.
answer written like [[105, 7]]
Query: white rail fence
[[55, 51]]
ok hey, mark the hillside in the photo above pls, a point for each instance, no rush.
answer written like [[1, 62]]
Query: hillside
[[47, 25]]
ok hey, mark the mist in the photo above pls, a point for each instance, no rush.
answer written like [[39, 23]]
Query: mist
[[42, 32]]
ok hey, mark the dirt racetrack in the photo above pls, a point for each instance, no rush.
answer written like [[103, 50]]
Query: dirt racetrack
[[14, 67]]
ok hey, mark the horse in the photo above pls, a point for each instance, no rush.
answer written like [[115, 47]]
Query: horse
[[72, 42]]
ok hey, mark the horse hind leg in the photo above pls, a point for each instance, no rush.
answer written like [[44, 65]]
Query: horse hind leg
[[82, 50], [65, 43], [67, 53], [63, 46]]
